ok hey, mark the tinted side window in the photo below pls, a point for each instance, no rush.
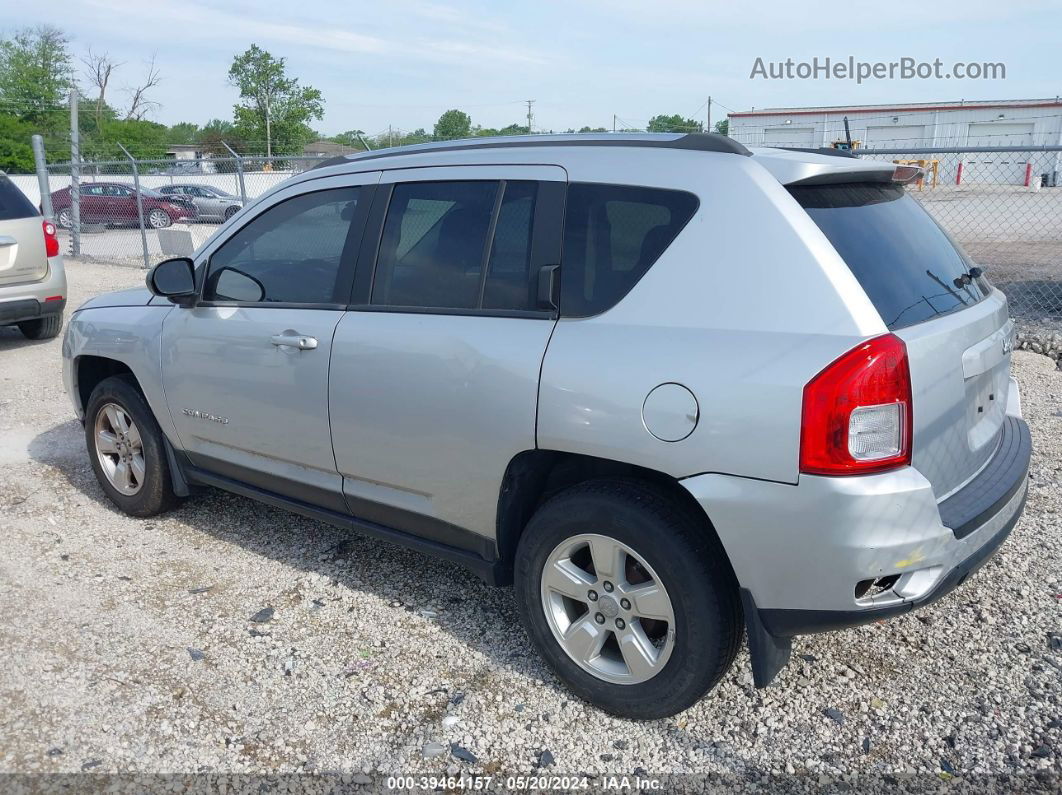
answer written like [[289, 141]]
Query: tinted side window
[[612, 235], [509, 283], [13, 202], [434, 238], [294, 249], [910, 269]]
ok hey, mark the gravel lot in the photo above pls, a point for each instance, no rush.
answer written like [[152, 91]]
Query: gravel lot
[[231, 637]]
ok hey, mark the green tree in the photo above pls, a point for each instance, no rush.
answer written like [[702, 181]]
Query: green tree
[[675, 123], [16, 154], [36, 74], [274, 108], [592, 130], [184, 132], [145, 140], [723, 127], [350, 138], [453, 124]]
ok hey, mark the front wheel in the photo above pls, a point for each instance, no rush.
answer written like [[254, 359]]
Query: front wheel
[[629, 598], [126, 448], [65, 219], [231, 211], [159, 219]]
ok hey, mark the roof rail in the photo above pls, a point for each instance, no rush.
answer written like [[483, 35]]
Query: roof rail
[[697, 142]]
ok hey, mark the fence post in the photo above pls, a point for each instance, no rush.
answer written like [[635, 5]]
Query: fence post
[[42, 177], [239, 172], [139, 205], [75, 179]]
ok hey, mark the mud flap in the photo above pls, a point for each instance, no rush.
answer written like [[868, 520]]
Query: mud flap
[[769, 654]]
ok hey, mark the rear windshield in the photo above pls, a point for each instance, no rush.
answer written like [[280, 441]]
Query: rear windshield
[[909, 267], [13, 202]]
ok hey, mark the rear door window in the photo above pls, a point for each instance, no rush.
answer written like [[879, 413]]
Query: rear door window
[[13, 202], [612, 236], [438, 251], [911, 270]]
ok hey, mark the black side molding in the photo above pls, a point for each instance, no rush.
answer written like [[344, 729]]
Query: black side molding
[[983, 497], [485, 568]]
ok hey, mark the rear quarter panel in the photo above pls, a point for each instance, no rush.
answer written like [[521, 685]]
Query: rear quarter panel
[[748, 303]]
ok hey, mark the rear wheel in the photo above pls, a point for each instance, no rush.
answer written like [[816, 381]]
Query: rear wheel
[[65, 219], [126, 448], [629, 598], [43, 328]]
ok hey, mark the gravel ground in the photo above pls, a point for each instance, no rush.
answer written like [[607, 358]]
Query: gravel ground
[[231, 637]]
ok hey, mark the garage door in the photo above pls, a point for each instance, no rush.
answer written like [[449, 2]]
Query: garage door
[[895, 136], [789, 136], [1000, 168]]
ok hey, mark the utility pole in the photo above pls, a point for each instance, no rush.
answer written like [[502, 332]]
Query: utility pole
[[75, 179], [709, 128], [530, 102], [390, 138], [269, 128], [613, 122], [42, 177]]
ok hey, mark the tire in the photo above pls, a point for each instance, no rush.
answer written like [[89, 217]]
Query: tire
[[670, 543], [151, 491], [159, 219], [65, 219], [231, 211], [43, 328]]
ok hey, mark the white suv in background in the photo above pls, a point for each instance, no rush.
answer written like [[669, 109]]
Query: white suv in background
[[32, 279]]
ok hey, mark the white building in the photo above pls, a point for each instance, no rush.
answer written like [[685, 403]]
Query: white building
[[1020, 123]]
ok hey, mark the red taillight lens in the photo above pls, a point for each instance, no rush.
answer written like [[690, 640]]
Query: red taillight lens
[[857, 412], [51, 242]]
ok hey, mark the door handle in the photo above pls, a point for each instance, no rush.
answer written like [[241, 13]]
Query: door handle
[[293, 339]]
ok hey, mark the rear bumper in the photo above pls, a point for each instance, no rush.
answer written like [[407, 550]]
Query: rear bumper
[[19, 302], [800, 551]]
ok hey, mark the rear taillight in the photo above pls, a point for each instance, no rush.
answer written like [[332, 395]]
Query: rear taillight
[[857, 412], [51, 241]]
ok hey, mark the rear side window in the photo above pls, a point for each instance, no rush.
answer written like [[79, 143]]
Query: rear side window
[[13, 202], [612, 235], [909, 267]]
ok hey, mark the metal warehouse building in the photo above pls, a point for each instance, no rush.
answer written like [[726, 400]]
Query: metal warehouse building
[[1021, 123]]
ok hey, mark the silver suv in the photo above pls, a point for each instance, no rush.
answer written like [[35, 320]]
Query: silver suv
[[32, 279], [672, 389]]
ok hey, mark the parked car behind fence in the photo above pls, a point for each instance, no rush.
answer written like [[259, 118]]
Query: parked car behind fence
[[114, 204]]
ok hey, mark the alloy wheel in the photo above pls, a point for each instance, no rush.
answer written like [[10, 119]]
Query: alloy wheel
[[159, 219], [608, 609], [120, 449]]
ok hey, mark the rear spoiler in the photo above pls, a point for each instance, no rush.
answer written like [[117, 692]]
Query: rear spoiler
[[888, 172]]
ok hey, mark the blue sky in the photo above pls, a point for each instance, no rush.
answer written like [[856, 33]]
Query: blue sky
[[403, 63]]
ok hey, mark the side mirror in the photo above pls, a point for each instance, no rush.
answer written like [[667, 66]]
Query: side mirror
[[173, 279]]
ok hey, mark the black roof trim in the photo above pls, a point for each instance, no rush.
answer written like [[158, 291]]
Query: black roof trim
[[697, 142], [829, 151]]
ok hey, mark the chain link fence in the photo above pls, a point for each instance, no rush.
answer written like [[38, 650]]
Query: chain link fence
[[1004, 209], [136, 212], [1001, 206]]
